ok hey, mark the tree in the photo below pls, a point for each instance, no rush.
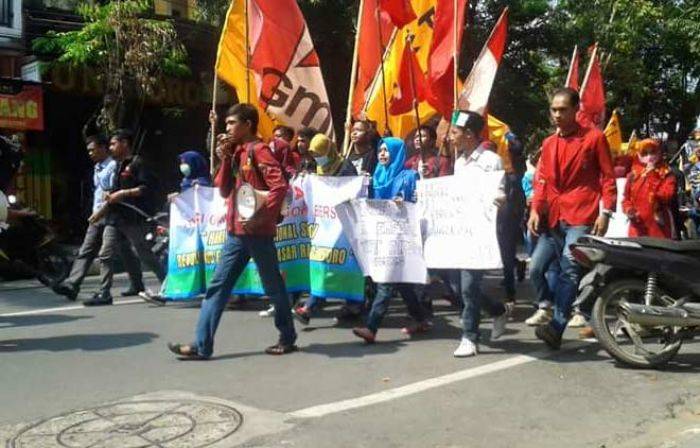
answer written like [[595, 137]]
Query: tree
[[131, 52]]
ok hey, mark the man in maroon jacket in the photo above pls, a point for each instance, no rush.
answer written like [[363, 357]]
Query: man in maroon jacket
[[575, 172], [245, 160]]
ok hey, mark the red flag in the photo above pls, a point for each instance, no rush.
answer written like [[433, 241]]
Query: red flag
[[441, 56], [370, 52], [477, 87], [412, 85], [572, 77], [592, 111], [400, 11]]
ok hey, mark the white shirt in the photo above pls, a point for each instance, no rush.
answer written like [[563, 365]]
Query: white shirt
[[481, 158]]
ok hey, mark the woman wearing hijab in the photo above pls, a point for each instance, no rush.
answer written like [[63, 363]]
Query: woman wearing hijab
[[194, 169], [328, 163], [392, 181], [650, 188]]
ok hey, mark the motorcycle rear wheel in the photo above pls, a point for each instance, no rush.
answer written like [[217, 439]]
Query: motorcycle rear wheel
[[626, 342]]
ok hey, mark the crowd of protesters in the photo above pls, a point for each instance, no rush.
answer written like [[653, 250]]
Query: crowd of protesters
[[547, 200]]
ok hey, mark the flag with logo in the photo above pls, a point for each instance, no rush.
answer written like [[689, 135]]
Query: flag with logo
[[280, 72]]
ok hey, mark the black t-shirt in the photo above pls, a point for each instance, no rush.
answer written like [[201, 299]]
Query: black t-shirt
[[131, 173]]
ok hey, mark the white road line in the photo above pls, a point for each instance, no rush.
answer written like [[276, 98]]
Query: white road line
[[431, 383], [66, 308]]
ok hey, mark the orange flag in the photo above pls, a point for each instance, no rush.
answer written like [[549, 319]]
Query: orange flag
[[400, 11]]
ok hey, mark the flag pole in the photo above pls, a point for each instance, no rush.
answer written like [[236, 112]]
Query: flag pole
[[212, 143], [247, 53], [412, 79], [382, 52], [353, 81], [455, 53], [588, 70], [571, 66]]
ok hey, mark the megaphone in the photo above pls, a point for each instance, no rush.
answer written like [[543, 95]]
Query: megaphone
[[249, 201]]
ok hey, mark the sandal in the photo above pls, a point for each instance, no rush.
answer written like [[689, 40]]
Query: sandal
[[186, 352], [421, 327], [281, 349]]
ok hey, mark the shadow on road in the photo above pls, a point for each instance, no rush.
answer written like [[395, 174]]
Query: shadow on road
[[46, 319], [85, 342]]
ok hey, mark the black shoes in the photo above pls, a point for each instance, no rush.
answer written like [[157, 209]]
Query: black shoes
[[64, 289], [548, 335], [132, 291], [99, 300]]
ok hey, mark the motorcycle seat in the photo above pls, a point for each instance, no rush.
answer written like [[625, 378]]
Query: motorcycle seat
[[669, 245]]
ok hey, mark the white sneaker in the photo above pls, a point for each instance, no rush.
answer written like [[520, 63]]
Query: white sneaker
[[541, 317], [270, 312], [499, 326], [466, 348], [578, 321]]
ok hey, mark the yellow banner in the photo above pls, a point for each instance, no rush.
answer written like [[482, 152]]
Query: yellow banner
[[421, 28]]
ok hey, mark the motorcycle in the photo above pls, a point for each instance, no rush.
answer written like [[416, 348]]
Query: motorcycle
[[643, 294], [28, 248]]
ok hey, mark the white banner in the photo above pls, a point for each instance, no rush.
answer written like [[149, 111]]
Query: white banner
[[619, 223], [460, 221], [386, 239]]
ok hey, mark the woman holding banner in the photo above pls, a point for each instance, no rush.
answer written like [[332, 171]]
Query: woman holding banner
[[328, 163], [391, 180]]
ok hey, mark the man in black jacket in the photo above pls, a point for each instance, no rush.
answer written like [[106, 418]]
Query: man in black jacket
[[133, 196]]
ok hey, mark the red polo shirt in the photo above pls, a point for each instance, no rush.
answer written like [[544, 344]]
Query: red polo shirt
[[575, 172], [268, 177]]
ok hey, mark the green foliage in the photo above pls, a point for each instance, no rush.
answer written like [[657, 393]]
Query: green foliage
[[130, 50]]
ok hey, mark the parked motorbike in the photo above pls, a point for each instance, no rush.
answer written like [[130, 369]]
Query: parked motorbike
[[643, 294], [28, 248]]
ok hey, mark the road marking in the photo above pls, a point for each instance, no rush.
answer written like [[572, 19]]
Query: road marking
[[431, 383], [67, 308]]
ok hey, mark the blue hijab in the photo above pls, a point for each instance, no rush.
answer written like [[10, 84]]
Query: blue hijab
[[199, 173], [392, 180]]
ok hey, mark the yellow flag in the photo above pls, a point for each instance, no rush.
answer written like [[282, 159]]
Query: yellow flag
[[497, 134], [231, 64], [632, 144], [613, 134], [421, 28]]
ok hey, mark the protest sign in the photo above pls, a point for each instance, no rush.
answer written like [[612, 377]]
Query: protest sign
[[460, 221], [619, 223], [386, 239], [197, 234], [334, 271]]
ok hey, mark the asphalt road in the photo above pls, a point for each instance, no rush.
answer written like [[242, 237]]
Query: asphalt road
[[64, 367]]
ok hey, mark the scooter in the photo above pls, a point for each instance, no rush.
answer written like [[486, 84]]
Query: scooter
[[28, 248], [643, 295]]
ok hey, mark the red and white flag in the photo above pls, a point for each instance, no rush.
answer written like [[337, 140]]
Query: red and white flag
[[572, 76], [592, 109], [286, 67], [477, 87]]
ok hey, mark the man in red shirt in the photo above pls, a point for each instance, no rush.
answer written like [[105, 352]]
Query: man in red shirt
[[245, 160], [427, 160], [575, 173]]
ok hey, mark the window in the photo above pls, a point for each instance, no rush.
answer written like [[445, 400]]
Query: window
[[6, 13], [11, 18]]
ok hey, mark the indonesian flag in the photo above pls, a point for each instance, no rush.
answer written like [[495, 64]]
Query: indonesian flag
[[477, 87], [442, 50], [372, 30], [572, 76], [286, 84], [411, 85], [400, 11], [592, 110]]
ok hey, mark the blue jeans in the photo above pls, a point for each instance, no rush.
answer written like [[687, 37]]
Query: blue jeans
[[468, 282], [554, 246], [409, 293], [235, 255]]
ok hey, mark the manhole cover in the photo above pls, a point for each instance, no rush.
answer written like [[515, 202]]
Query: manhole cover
[[135, 424]]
